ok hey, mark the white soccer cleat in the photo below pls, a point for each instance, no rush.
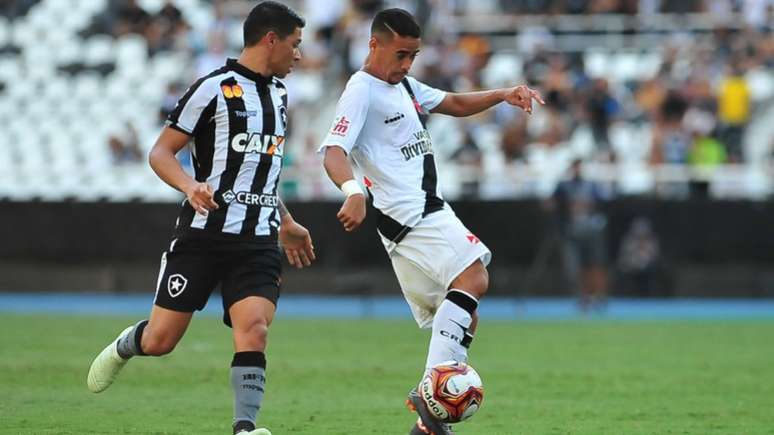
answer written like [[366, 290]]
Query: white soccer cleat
[[106, 365]]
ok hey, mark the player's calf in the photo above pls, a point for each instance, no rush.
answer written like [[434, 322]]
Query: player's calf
[[452, 328], [157, 344]]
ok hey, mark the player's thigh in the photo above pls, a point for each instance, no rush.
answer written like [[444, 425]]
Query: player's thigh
[[423, 294], [254, 274], [443, 247]]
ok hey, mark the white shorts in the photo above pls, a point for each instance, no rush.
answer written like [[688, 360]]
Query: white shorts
[[432, 255]]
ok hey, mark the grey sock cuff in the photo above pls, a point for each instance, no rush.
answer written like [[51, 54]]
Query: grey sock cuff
[[131, 344]]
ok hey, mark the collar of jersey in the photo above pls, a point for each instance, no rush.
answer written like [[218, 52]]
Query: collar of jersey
[[246, 72], [376, 79]]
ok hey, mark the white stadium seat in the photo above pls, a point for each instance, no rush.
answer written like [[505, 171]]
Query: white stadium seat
[[99, 50]]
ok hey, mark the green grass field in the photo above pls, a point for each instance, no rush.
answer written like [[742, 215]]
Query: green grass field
[[351, 377]]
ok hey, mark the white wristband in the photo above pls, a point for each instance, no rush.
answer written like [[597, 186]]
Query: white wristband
[[350, 187]]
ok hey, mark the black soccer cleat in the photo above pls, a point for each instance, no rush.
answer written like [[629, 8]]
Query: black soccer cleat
[[419, 428], [427, 423]]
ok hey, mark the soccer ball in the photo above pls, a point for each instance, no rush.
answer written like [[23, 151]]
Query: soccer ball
[[452, 391]]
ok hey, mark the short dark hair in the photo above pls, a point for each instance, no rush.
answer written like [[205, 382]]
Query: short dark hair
[[270, 16], [396, 20]]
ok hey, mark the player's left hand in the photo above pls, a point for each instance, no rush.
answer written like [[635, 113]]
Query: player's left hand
[[522, 96], [297, 243]]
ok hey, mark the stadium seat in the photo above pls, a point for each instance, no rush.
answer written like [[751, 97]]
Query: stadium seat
[[503, 69], [99, 50], [4, 31], [596, 62]]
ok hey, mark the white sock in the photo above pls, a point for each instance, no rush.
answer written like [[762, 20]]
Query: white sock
[[450, 337]]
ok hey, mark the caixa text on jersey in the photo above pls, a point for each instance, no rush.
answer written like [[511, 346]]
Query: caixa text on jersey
[[258, 143]]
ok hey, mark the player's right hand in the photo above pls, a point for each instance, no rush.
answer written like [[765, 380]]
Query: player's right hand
[[200, 196], [352, 212]]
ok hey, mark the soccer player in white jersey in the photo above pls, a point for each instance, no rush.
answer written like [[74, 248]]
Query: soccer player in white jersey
[[234, 120], [439, 263]]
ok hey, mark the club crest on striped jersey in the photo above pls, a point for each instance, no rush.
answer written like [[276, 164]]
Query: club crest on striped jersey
[[257, 143]]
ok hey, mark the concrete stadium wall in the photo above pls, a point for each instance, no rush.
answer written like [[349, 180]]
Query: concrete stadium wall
[[710, 248]]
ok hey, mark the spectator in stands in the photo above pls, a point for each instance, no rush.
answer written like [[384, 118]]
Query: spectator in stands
[[639, 258], [671, 141], [169, 100], [514, 138], [706, 151], [602, 108], [649, 96], [476, 53], [169, 13], [130, 17], [164, 28], [12, 9], [734, 110], [468, 157], [582, 227], [557, 82], [125, 146]]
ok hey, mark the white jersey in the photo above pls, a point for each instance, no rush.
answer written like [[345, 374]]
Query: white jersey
[[378, 126]]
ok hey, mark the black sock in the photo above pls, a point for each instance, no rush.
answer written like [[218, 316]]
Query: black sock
[[130, 344]]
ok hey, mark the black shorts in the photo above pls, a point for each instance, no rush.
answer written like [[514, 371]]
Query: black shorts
[[192, 268]]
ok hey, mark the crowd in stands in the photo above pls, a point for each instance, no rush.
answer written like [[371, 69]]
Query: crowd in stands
[[695, 107], [697, 104]]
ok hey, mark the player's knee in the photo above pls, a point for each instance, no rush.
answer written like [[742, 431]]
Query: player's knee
[[475, 282], [255, 332], [157, 345], [480, 283]]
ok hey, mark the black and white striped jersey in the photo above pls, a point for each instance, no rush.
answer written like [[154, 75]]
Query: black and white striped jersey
[[237, 120]]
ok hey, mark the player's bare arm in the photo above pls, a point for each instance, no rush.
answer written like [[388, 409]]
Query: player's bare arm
[[470, 103], [167, 167], [353, 211], [295, 239]]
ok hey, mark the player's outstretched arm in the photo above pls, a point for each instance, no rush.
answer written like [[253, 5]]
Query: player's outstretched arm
[[167, 167], [470, 103], [353, 211], [295, 239]]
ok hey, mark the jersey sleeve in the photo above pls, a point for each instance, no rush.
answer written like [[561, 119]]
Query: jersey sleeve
[[427, 96], [351, 112], [188, 111]]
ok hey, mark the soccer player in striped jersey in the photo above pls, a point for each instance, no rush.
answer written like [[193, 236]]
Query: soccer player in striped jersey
[[235, 122], [379, 129]]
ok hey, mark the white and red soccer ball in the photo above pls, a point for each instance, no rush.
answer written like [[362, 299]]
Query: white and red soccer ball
[[452, 391]]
